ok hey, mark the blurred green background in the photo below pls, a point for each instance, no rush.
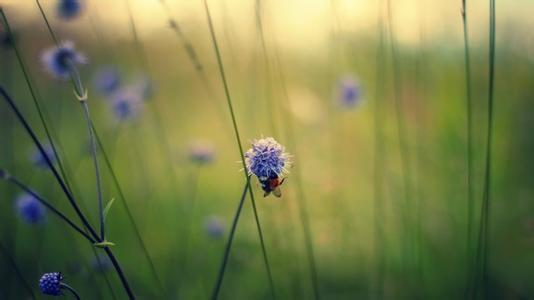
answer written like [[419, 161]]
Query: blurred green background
[[284, 60]]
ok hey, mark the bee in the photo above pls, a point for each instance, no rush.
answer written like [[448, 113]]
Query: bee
[[272, 185]]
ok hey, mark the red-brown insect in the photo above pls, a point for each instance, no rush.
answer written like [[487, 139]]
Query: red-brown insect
[[272, 185]]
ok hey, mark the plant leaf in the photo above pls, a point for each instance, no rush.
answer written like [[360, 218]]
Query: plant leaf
[[108, 206]]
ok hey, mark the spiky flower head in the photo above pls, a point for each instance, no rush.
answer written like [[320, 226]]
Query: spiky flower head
[[107, 80], [59, 60], [29, 209], [50, 284], [201, 152], [349, 92], [69, 9], [39, 160], [215, 227], [126, 104], [266, 159]]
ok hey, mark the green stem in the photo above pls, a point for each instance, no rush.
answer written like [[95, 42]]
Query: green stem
[[378, 162], [17, 270], [70, 289], [403, 143], [238, 140], [302, 202], [222, 269], [469, 150], [25, 188], [483, 250]]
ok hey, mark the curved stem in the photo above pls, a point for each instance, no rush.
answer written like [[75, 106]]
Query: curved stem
[[32, 135], [118, 268], [220, 277], [238, 140], [97, 169], [25, 188], [72, 290]]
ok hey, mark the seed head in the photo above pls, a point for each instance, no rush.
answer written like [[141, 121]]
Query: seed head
[[50, 284]]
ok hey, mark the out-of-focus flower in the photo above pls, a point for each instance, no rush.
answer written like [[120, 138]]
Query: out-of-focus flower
[[101, 263], [215, 227], [201, 152], [51, 284], [38, 158], [266, 159], [349, 92], [58, 61], [126, 104], [144, 86], [29, 209], [107, 80], [69, 9]]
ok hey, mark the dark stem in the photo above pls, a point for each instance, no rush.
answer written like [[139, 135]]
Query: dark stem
[[97, 169], [118, 268], [34, 95], [127, 209], [17, 270], [25, 188], [69, 288], [220, 276], [32, 135]]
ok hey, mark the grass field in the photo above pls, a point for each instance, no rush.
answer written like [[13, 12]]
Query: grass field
[[407, 124]]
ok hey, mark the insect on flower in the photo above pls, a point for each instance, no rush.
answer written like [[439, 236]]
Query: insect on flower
[[268, 160]]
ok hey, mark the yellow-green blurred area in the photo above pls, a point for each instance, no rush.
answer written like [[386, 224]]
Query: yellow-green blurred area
[[383, 185]]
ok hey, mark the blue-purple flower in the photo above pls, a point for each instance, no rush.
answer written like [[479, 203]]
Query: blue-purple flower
[[38, 158], [107, 80], [51, 284], [215, 227], [69, 9], [266, 159], [59, 60], [201, 152], [126, 104], [349, 92], [29, 209]]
